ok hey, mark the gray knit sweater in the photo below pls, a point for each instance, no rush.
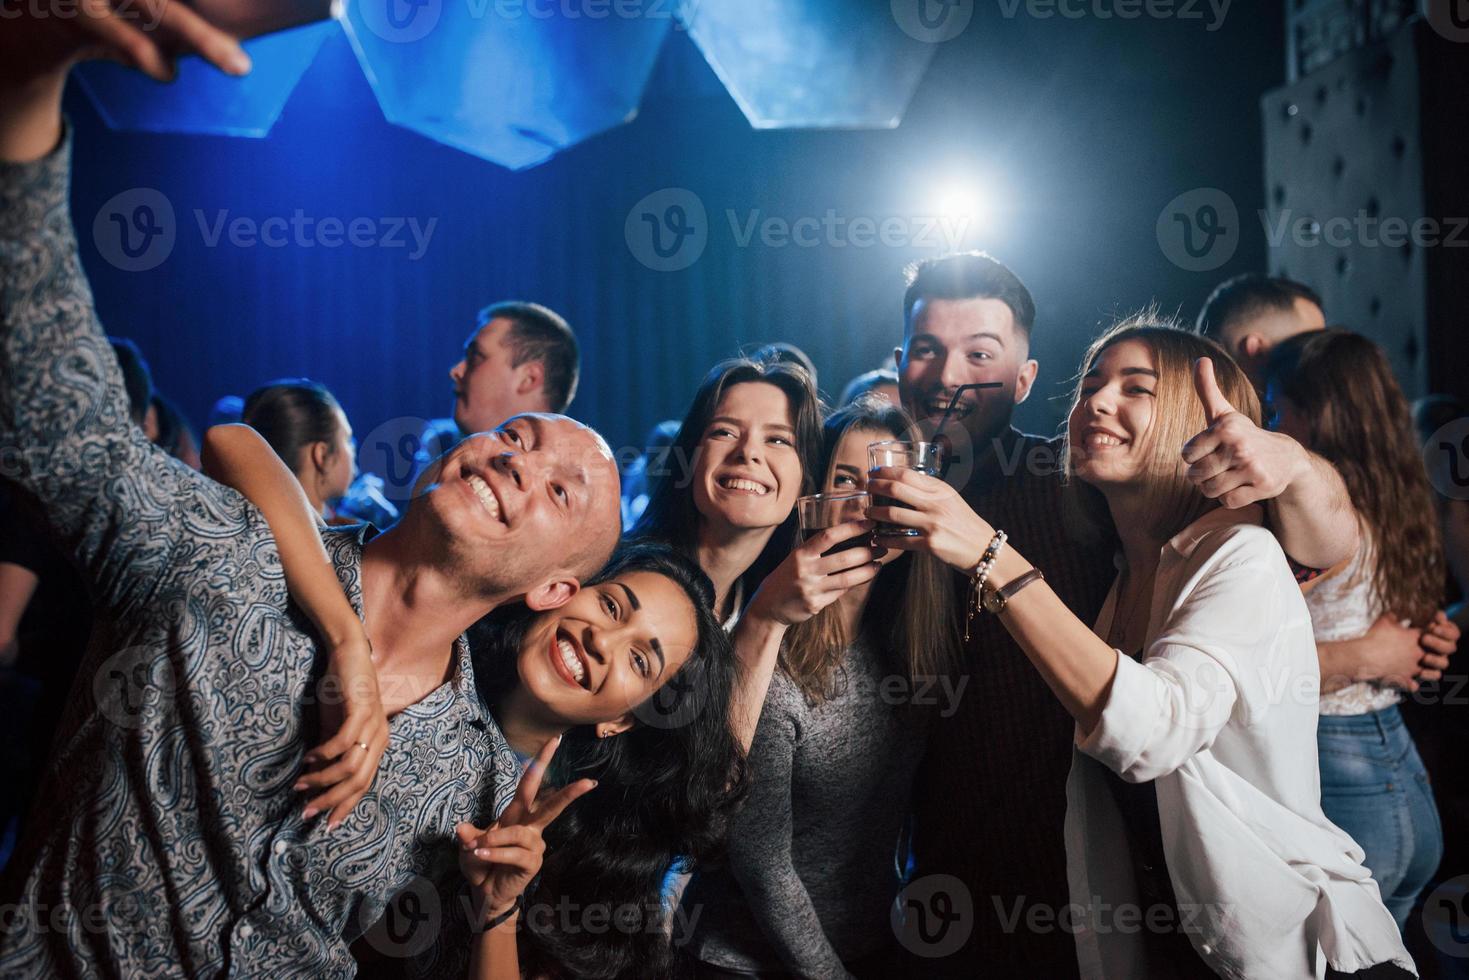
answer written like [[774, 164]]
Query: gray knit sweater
[[812, 872]]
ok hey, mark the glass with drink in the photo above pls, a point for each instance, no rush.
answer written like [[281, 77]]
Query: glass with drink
[[925, 457], [825, 510]]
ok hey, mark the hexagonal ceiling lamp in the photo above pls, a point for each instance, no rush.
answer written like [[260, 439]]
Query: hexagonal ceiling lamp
[[813, 63], [203, 99], [512, 81]]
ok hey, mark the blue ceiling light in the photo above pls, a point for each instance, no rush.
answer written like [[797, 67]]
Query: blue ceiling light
[[203, 99], [512, 81], [813, 63]]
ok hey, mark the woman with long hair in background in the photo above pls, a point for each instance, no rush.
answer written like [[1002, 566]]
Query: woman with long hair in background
[[1333, 391]]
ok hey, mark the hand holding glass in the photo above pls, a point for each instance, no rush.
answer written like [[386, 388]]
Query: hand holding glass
[[821, 511], [925, 457]]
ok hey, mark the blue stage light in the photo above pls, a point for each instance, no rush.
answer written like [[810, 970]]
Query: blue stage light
[[512, 81], [811, 63], [202, 99]]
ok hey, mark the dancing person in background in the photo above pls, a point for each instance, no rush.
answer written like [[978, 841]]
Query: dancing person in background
[[1249, 314], [1188, 797], [178, 784], [304, 424], [1334, 392], [967, 319], [812, 873]]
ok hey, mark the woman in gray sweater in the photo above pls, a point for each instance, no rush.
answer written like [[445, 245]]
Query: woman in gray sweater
[[813, 856]]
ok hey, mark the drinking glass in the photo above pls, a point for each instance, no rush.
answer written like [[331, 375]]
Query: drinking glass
[[820, 511], [925, 457]]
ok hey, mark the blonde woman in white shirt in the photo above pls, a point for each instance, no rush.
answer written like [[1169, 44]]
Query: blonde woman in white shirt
[[1195, 837]]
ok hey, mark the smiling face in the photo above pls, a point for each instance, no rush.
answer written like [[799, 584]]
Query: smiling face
[[533, 501], [608, 650], [1113, 413], [747, 473], [956, 342]]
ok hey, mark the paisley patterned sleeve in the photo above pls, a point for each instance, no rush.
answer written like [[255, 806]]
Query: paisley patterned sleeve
[[119, 505]]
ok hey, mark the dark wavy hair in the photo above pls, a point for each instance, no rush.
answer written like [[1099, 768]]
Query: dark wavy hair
[[672, 518], [666, 789]]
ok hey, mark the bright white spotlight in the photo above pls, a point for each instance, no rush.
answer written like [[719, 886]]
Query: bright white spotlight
[[962, 206]]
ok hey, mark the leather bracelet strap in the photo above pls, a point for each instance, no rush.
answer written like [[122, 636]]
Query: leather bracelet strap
[[999, 598]]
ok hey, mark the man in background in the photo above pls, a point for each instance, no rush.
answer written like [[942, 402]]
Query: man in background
[[1249, 314]]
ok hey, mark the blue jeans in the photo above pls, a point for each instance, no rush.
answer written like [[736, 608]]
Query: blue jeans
[[1374, 786]]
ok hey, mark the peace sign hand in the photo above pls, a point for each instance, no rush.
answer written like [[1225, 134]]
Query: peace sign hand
[[500, 861]]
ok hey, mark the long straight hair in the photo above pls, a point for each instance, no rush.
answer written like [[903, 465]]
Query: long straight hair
[[910, 610], [671, 516], [1177, 416], [1357, 419]]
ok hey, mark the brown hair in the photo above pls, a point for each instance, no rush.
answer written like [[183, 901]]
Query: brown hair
[[1178, 415], [910, 610], [1357, 419]]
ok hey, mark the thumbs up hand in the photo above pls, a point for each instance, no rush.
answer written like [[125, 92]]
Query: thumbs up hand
[[1233, 460]]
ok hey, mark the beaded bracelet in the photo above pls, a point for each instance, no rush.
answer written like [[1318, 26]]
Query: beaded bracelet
[[978, 577]]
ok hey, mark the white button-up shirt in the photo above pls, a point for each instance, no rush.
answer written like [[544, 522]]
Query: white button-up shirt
[[1221, 715]]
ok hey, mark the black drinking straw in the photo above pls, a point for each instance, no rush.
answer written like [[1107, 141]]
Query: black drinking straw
[[954, 403]]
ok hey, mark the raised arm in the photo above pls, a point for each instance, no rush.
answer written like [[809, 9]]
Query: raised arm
[[798, 588], [352, 711], [114, 500], [1238, 463]]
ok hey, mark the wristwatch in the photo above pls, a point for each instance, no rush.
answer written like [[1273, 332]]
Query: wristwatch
[[995, 600]]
